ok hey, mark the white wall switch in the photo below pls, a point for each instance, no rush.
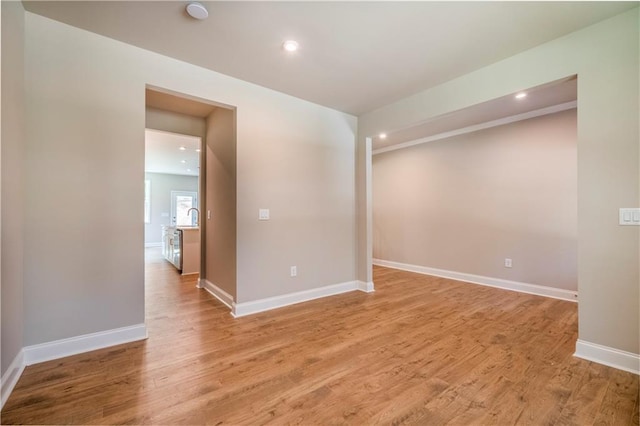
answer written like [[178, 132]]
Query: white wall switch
[[263, 214], [294, 271], [629, 216], [508, 263], [208, 214]]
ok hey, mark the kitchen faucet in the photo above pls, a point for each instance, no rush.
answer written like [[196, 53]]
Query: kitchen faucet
[[193, 208]]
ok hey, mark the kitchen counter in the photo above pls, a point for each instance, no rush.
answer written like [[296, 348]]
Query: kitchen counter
[[181, 247]]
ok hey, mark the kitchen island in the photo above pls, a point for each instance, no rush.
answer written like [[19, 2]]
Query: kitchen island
[[181, 247]]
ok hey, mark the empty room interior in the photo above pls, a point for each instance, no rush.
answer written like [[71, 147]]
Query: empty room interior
[[320, 212]]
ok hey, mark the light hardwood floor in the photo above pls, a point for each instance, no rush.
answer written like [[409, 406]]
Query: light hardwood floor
[[420, 350]]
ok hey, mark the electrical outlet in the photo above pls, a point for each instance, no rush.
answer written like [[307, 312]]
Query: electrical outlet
[[294, 271], [507, 263]]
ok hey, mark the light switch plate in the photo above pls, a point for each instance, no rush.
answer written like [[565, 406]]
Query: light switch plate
[[629, 217], [263, 214]]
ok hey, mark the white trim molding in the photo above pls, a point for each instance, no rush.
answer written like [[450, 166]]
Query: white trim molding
[[487, 125], [88, 342], [538, 290], [149, 245], [11, 376], [622, 360], [216, 292], [261, 305], [367, 287]]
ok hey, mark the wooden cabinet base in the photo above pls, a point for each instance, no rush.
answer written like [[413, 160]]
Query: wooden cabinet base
[[190, 251]]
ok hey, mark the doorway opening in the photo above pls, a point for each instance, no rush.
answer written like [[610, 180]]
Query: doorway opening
[[172, 182], [190, 200], [487, 194]]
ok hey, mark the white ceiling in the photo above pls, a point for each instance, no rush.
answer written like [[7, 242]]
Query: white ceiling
[[354, 56], [163, 153]]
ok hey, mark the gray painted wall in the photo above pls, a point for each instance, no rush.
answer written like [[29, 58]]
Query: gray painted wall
[[161, 186], [85, 105], [605, 58], [466, 203], [13, 180]]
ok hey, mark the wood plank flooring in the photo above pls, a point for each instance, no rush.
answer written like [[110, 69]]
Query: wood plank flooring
[[420, 350]]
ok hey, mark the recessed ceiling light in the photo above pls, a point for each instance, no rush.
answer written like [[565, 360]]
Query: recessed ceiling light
[[290, 45], [382, 135], [182, 148], [183, 161], [521, 95], [197, 10], [188, 170], [198, 150]]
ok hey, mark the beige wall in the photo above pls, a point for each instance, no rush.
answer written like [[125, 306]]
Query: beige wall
[[86, 111], [220, 249], [605, 58], [161, 186], [12, 192], [170, 121], [466, 203]]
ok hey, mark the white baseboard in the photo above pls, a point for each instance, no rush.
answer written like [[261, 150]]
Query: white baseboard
[[85, 343], [367, 287], [539, 290], [622, 360], [261, 305], [216, 292], [11, 376], [147, 245]]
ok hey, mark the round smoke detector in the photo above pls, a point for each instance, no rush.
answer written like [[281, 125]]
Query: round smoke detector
[[197, 11]]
